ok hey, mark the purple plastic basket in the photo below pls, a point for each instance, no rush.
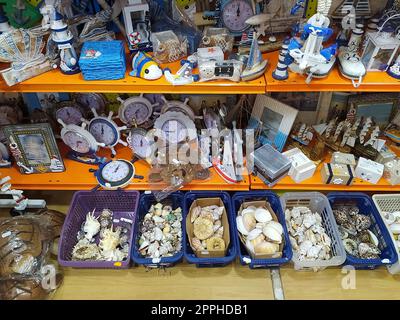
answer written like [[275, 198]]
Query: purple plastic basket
[[122, 203]]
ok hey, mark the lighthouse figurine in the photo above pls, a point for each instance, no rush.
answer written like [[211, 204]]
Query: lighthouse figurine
[[64, 40]]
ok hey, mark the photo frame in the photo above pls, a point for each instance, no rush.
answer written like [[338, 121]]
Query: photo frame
[[381, 107], [34, 148], [273, 120]]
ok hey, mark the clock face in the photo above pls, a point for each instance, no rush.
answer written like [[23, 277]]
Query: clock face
[[140, 144], [137, 112], [174, 130], [69, 115], [235, 13], [91, 100], [104, 132], [117, 171], [76, 142]]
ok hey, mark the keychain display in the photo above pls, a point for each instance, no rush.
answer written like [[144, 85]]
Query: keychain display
[[106, 131], [82, 143]]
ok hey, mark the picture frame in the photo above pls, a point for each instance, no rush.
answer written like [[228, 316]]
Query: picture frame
[[273, 120], [34, 148], [381, 107]]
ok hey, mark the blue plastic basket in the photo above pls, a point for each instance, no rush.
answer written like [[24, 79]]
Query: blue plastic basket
[[245, 259], [367, 207], [232, 249], [175, 200]]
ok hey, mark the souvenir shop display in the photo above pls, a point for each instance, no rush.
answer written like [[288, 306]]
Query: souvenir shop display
[[256, 65], [392, 131], [338, 174], [302, 167], [260, 230], [369, 170], [103, 60], [392, 172], [34, 148], [184, 75], [210, 53], [207, 228]]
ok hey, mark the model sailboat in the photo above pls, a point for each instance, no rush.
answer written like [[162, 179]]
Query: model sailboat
[[256, 65]]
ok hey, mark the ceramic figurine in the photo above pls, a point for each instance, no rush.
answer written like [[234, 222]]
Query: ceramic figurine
[[143, 66], [256, 65], [394, 70], [311, 57], [284, 60], [4, 24], [183, 76]]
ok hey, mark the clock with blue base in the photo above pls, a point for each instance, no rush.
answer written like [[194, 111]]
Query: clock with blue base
[[115, 174], [82, 143]]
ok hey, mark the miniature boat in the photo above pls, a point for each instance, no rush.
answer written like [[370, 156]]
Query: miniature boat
[[226, 169], [256, 65]]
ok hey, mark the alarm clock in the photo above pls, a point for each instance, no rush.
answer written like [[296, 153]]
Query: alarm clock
[[115, 174], [135, 111], [106, 131], [233, 15], [82, 143], [176, 127]]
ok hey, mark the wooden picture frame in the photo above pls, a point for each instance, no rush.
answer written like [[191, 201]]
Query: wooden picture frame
[[34, 148]]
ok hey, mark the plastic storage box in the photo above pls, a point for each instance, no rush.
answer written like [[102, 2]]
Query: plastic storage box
[[389, 203], [366, 206], [175, 200], [245, 259], [123, 204], [232, 249], [317, 202]]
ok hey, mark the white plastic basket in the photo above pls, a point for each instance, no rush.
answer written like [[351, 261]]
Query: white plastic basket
[[317, 202], [389, 203]]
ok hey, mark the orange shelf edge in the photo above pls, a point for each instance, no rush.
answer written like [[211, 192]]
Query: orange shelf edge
[[77, 177]]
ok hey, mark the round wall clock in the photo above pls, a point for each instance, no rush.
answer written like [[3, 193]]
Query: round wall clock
[[106, 131], [69, 112], [91, 100], [140, 143], [82, 143], [234, 14], [135, 111], [176, 127], [115, 174], [179, 106]]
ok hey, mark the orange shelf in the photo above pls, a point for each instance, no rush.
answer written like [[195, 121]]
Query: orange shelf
[[315, 184], [373, 81], [55, 81], [78, 177]]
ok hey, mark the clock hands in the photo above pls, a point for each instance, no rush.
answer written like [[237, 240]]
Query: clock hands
[[102, 130], [116, 169], [238, 10]]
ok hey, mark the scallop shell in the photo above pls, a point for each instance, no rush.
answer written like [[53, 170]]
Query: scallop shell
[[254, 234], [203, 228], [262, 215], [249, 221], [194, 214], [240, 226], [266, 248], [276, 225], [272, 234], [196, 244], [395, 228], [248, 211], [260, 238]]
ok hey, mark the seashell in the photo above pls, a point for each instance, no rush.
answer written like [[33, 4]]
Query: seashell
[[203, 228], [240, 226], [194, 214], [207, 215], [324, 254], [389, 217], [276, 225], [252, 208], [158, 219], [351, 247], [167, 229], [272, 234], [215, 244], [204, 243], [309, 220], [262, 215], [293, 242], [152, 248], [176, 225], [168, 208], [254, 234], [219, 233], [288, 215], [110, 240], [217, 225], [158, 234], [313, 252], [266, 248], [373, 238], [350, 228], [249, 246], [260, 238], [144, 244], [249, 221], [309, 235], [368, 251], [91, 226], [304, 247], [326, 240], [362, 222], [158, 206], [343, 233], [248, 211], [84, 250], [395, 228], [340, 216], [196, 244], [148, 216], [260, 225]]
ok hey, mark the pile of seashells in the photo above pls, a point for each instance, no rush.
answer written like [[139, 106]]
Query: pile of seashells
[[308, 237], [393, 221], [161, 232], [260, 233], [358, 241], [113, 242], [207, 228]]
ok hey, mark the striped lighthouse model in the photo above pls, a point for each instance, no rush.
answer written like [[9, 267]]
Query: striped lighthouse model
[[281, 72]]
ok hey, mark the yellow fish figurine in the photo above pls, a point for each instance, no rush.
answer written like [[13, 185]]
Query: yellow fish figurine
[[143, 66]]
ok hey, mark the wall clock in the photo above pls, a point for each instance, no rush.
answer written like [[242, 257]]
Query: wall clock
[[82, 143], [179, 106], [69, 112], [106, 131], [176, 127], [140, 142], [115, 174], [234, 14], [135, 111], [91, 100]]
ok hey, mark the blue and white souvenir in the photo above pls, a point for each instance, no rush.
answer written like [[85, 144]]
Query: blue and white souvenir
[[143, 66]]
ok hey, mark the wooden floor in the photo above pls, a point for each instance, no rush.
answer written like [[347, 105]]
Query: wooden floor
[[232, 282]]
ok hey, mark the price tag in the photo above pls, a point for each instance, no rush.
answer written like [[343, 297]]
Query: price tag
[[64, 46]]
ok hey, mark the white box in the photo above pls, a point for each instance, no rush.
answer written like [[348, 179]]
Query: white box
[[210, 54], [343, 158], [385, 155], [369, 170], [392, 172], [302, 167]]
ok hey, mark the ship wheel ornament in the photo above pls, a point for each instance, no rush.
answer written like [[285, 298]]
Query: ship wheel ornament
[[105, 130]]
